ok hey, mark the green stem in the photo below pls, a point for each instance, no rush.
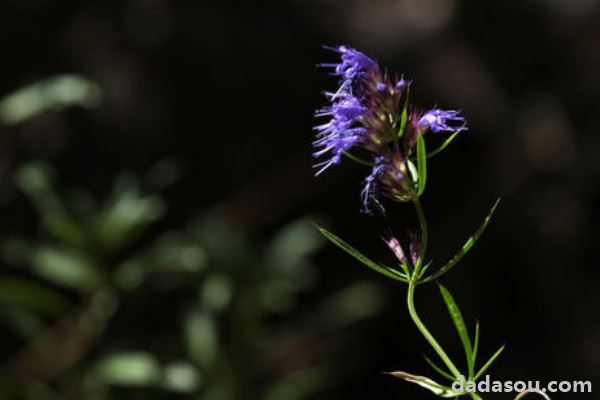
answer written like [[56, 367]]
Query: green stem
[[424, 236], [411, 295], [425, 332]]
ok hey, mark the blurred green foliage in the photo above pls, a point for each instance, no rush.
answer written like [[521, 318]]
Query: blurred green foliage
[[107, 305], [53, 93]]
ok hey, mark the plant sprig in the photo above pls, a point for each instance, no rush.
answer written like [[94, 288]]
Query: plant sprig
[[371, 112]]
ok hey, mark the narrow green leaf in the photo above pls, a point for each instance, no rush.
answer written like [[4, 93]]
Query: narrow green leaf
[[429, 384], [488, 363], [404, 267], [461, 328], [386, 271], [445, 144], [465, 248], [476, 343], [421, 165], [424, 270], [439, 370], [358, 159]]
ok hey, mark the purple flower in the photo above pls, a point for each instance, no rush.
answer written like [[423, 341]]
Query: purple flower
[[381, 87], [442, 120], [414, 246], [344, 129], [401, 84], [367, 195], [353, 64], [346, 107], [364, 111], [396, 248], [341, 133]]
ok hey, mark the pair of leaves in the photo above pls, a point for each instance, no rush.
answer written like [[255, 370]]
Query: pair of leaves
[[382, 269], [470, 347], [399, 276]]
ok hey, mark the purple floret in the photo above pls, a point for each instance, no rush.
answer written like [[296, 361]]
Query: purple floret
[[396, 248], [442, 120], [353, 63], [341, 132], [368, 193]]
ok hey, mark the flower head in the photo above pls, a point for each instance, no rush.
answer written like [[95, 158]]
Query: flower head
[[369, 111], [442, 120]]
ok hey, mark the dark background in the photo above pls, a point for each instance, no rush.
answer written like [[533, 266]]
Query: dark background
[[228, 90]]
